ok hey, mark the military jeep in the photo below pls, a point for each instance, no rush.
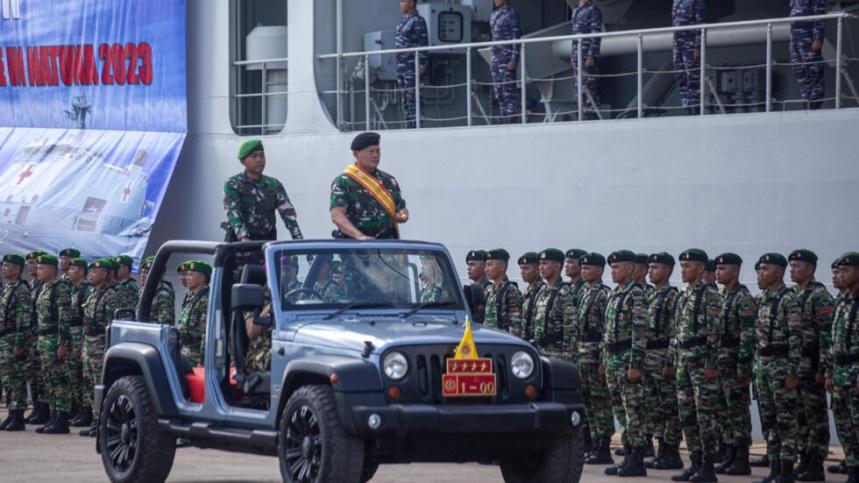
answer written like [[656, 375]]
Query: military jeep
[[363, 371]]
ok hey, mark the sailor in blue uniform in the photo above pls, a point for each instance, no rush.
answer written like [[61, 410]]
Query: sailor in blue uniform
[[587, 19], [687, 52], [411, 32], [505, 59], [806, 45]]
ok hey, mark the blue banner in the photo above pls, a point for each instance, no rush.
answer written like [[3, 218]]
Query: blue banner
[[93, 115]]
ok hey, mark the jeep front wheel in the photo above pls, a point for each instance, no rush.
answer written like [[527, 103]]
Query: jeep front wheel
[[312, 446], [133, 448], [560, 462]]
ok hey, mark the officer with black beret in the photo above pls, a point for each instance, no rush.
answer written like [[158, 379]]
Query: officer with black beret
[[503, 298], [529, 269]]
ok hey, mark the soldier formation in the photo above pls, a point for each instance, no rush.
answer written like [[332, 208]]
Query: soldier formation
[[668, 363]]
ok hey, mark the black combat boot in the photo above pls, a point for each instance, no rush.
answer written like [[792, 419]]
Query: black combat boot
[[620, 451], [612, 470], [601, 455], [853, 472], [697, 460], [786, 474], [762, 462], [839, 469], [803, 463], [813, 469], [707, 473], [740, 466], [635, 467], [660, 452], [83, 419], [6, 421], [670, 458], [775, 471], [51, 418], [730, 454], [60, 425], [92, 430], [41, 414], [17, 423], [649, 450]]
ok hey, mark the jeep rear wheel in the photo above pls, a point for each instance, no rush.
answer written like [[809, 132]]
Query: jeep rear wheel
[[561, 461], [312, 446], [133, 448]]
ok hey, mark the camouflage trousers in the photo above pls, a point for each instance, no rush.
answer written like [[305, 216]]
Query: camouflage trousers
[[93, 359], [813, 418], [845, 410], [698, 405], [663, 420], [57, 382], [737, 423], [631, 396], [507, 92], [590, 85], [597, 401], [807, 65], [687, 70], [13, 373], [74, 365], [35, 376], [406, 83], [778, 407]]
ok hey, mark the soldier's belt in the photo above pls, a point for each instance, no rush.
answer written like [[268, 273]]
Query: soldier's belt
[[591, 338], [48, 331], [5, 332], [76, 323], [811, 352], [845, 359], [730, 342], [658, 344], [693, 343], [774, 351], [619, 346]]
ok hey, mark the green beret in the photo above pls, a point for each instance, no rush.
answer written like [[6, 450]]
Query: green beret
[[529, 258], [575, 254], [642, 258], [475, 256], [803, 255], [70, 252], [694, 255], [199, 267], [773, 259], [552, 254], [35, 254], [14, 259], [365, 140], [729, 259], [849, 259], [106, 263], [78, 262], [47, 260], [183, 267], [249, 147], [498, 254], [124, 260], [147, 262], [621, 256], [710, 266], [662, 258], [592, 259]]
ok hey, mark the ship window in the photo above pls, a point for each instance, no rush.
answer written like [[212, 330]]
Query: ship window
[[258, 66]]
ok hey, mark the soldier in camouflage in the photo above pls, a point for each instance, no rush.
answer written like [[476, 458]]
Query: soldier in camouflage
[[806, 48], [411, 32], [661, 393], [735, 361], [35, 376], [587, 337], [430, 280], [81, 288], [354, 210], [842, 375], [126, 287], [529, 269], [587, 19], [66, 256], [687, 52], [15, 334], [779, 335], [623, 351], [475, 262], [163, 309], [504, 25], [642, 267], [817, 308], [698, 331], [503, 298], [554, 314], [710, 274], [326, 288], [53, 317], [192, 324], [573, 270]]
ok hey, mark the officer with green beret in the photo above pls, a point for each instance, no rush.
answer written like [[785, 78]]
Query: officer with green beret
[[503, 298], [554, 312], [31, 268], [574, 271], [162, 310], [77, 277], [779, 354], [192, 324], [251, 199], [15, 340], [66, 256], [126, 286], [529, 270]]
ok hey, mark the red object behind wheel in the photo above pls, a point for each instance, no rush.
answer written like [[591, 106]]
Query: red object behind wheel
[[197, 383]]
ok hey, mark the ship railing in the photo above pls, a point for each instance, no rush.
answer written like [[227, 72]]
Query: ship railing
[[265, 66], [840, 62]]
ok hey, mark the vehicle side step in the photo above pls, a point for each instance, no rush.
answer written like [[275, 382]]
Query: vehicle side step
[[252, 437]]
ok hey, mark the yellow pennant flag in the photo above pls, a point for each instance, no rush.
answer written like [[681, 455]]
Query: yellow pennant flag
[[466, 348]]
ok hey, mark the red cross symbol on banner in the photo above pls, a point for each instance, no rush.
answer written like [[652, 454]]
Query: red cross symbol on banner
[[126, 191], [26, 174]]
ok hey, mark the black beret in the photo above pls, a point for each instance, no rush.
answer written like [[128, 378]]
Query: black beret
[[773, 259], [694, 255], [592, 259], [663, 258], [835, 263], [849, 259], [475, 256], [365, 140], [710, 266], [552, 254], [498, 254], [803, 255], [642, 258], [575, 253], [621, 256], [529, 258], [729, 259]]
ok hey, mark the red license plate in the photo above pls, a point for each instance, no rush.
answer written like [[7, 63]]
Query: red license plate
[[469, 377]]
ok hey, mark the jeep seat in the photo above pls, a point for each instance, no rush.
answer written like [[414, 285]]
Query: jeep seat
[[197, 383], [249, 383]]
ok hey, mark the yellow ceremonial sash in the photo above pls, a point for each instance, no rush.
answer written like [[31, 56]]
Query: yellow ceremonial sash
[[376, 190]]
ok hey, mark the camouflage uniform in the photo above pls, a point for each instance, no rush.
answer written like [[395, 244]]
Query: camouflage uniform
[[588, 335], [75, 352], [367, 214], [127, 293], [737, 353], [35, 376], [844, 373], [98, 310], [411, 32], [15, 331], [53, 317], [258, 357], [554, 317], [504, 24], [163, 310], [250, 207], [587, 19], [807, 64], [192, 327], [661, 393], [503, 306], [778, 331], [430, 292], [529, 306], [329, 292], [687, 70], [624, 347], [578, 288]]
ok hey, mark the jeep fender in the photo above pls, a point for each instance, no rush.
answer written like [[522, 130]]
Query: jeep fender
[[561, 381], [133, 358]]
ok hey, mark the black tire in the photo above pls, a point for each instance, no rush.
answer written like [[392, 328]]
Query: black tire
[[133, 448], [561, 462], [312, 446], [369, 471]]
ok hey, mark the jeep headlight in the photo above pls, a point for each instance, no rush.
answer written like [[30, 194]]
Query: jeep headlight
[[395, 366], [522, 365]]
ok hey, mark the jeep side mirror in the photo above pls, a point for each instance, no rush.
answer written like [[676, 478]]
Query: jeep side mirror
[[475, 298], [248, 297]]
